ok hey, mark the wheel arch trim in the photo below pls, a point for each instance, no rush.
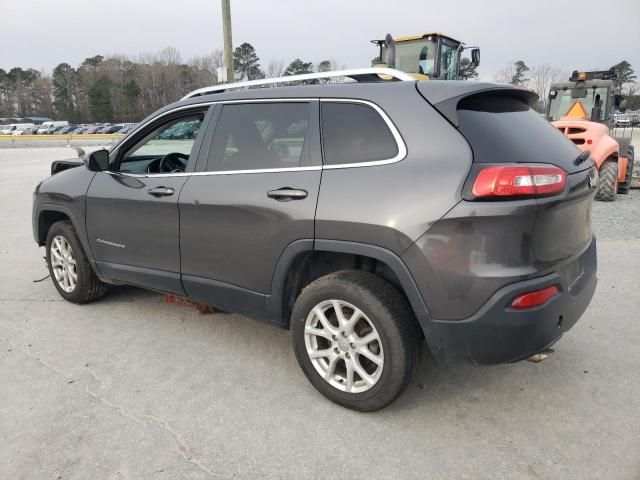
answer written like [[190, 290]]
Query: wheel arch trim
[[393, 261], [50, 207]]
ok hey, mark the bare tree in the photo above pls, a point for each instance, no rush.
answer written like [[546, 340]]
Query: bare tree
[[631, 89], [514, 73], [506, 74], [169, 56], [205, 68], [275, 68], [540, 79]]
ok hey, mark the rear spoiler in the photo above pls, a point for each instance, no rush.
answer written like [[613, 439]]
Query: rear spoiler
[[446, 100]]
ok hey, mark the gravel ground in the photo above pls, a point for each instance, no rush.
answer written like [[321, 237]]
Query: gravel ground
[[619, 219], [131, 388]]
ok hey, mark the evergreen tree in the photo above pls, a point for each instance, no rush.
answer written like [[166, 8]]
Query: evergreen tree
[[625, 74], [100, 100], [246, 62], [298, 67], [518, 78], [468, 69], [64, 88]]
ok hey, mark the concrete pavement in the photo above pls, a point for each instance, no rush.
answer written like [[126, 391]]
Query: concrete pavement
[[131, 388]]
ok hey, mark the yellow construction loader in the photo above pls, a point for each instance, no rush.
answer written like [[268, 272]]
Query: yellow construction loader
[[427, 56]]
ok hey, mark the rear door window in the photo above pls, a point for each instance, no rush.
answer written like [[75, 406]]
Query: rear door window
[[355, 133], [253, 136], [504, 129]]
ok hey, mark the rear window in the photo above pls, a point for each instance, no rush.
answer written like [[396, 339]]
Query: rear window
[[503, 129], [355, 133]]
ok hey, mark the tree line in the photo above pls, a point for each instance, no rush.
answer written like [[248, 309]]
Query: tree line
[[539, 79], [117, 88]]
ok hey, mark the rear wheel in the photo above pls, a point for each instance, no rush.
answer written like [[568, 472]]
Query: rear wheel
[[69, 267], [608, 182], [628, 178], [356, 339]]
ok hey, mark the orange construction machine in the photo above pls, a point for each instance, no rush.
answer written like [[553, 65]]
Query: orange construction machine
[[582, 110]]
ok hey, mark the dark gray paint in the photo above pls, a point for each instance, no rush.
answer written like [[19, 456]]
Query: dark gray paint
[[233, 233], [121, 210], [392, 205], [231, 245], [479, 247]]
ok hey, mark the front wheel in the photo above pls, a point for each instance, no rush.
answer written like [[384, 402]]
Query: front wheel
[[356, 339], [628, 178], [69, 267], [608, 182]]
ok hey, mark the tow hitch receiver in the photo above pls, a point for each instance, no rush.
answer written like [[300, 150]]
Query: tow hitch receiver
[[538, 357]]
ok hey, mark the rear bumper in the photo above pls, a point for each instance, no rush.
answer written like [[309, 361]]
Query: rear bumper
[[500, 334]]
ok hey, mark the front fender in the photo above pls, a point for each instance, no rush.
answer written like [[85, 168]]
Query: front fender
[[63, 193], [605, 148]]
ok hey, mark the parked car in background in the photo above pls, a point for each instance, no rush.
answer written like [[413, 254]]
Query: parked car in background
[[186, 130], [92, 129], [55, 130], [20, 128], [127, 128], [47, 128], [622, 121], [31, 130], [78, 130], [17, 128], [112, 129], [7, 129], [66, 130]]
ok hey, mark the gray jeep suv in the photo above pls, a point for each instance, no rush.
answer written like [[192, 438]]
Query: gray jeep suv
[[369, 218]]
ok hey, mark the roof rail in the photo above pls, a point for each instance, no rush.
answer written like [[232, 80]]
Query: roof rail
[[359, 74]]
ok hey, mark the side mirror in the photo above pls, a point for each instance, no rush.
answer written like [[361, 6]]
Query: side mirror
[[391, 50], [98, 161], [475, 56]]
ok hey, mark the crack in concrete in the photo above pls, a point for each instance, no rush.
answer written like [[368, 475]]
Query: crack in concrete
[[119, 408], [35, 357], [182, 449]]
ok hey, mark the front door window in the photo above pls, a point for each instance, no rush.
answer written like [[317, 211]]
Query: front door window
[[164, 150]]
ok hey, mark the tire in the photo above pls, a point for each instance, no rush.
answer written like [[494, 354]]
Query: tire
[[625, 187], [386, 315], [86, 287], [608, 182]]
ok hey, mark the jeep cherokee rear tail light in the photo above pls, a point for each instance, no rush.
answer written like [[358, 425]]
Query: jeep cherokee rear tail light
[[518, 180], [535, 298]]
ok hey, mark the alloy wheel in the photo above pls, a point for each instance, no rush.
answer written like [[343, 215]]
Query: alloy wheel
[[343, 346], [63, 264]]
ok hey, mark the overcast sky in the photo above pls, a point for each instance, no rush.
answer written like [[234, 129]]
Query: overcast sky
[[568, 35]]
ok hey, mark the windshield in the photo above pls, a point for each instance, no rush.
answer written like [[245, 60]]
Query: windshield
[[562, 103], [415, 56], [448, 62]]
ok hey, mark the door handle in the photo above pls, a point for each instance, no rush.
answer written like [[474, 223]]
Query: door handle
[[161, 191], [286, 194]]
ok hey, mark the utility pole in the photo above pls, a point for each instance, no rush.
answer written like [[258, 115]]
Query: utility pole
[[228, 44]]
